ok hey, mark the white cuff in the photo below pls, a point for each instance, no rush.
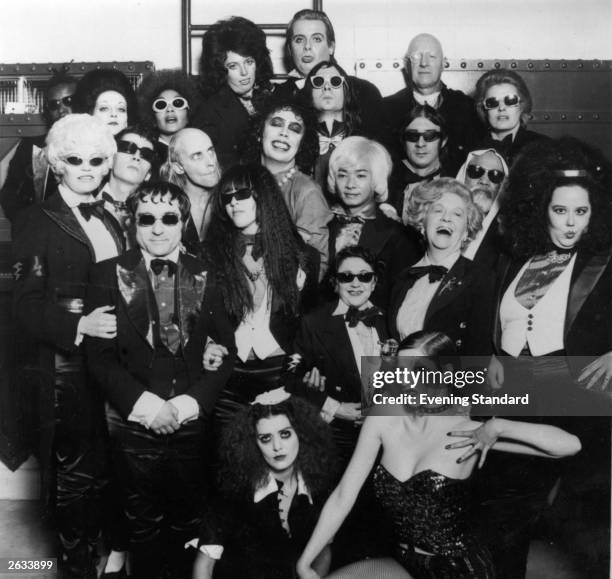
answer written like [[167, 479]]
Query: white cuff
[[329, 409], [80, 335], [187, 406], [212, 551], [146, 409]]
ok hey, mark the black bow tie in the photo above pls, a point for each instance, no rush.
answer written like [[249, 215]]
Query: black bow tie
[[348, 219], [157, 265], [88, 209], [436, 272], [119, 205], [368, 316]]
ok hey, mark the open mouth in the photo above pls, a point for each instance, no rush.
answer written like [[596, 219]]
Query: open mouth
[[307, 59], [280, 457], [171, 119], [282, 145], [443, 230]]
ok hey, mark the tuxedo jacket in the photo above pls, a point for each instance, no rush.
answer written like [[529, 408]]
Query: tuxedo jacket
[[19, 190], [490, 249], [460, 308], [588, 321], [522, 138], [322, 340], [123, 365], [394, 245]]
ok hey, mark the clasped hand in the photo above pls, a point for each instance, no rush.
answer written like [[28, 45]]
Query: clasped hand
[[166, 420]]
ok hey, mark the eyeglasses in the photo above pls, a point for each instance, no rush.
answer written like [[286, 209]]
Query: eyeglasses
[[510, 100], [319, 81], [177, 103], [494, 175], [349, 276], [131, 148], [148, 220], [77, 161], [417, 56], [428, 136], [55, 104], [239, 195]]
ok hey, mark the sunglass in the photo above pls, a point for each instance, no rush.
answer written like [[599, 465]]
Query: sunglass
[[55, 104], [349, 276], [76, 161], [476, 172], [510, 100], [239, 195], [147, 220], [428, 136], [319, 81], [146, 153], [178, 104]]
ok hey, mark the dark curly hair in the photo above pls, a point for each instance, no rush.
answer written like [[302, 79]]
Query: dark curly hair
[[541, 168], [351, 110], [309, 145], [100, 80], [156, 191], [154, 83], [242, 468], [239, 35], [361, 253], [277, 241], [502, 76]]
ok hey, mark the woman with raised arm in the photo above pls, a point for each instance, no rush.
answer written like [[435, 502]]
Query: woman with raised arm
[[423, 476]]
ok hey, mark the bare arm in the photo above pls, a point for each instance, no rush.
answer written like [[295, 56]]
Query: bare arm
[[339, 504]]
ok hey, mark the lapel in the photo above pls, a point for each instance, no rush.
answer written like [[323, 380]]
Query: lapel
[[134, 286], [507, 270], [336, 340], [375, 233], [63, 216], [452, 284], [189, 294], [588, 269]]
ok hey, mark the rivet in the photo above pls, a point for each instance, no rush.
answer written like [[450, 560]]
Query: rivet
[[131, 67], [379, 65], [530, 65], [546, 117], [463, 65], [497, 65], [480, 65], [33, 67], [563, 117], [362, 65], [596, 65], [564, 65], [18, 131], [396, 65], [547, 65], [50, 68], [580, 65], [596, 116], [17, 67], [513, 65], [579, 117]]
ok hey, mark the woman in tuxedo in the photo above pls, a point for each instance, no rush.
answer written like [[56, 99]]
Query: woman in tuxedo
[[444, 291], [553, 333]]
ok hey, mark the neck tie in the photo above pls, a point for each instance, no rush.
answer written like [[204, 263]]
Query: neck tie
[[157, 265], [88, 209], [119, 205], [368, 316], [436, 272], [348, 219]]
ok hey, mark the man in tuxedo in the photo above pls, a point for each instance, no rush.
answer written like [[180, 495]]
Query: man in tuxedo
[[423, 65], [54, 249], [158, 397], [30, 179]]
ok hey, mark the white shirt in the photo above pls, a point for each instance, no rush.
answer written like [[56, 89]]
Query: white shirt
[[429, 99]]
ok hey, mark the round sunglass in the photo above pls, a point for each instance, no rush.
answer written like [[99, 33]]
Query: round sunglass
[[148, 220], [319, 81], [77, 161], [238, 194], [349, 276], [476, 172], [428, 136], [177, 103], [131, 148], [55, 104], [510, 100]]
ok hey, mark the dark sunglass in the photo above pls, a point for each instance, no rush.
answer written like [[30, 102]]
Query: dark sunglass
[[319, 81], [148, 220], [55, 104], [131, 148], [510, 100], [76, 161], [428, 136], [349, 276], [476, 172], [239, 195], [178, 104]]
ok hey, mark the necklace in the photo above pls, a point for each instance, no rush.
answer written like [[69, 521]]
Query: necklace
[[558, 257], [287, 176]]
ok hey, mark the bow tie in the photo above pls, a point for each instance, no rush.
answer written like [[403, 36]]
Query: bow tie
[[348, 219], [436, 272], [88, 209], [368, 316], [119, 205], [157, 265]]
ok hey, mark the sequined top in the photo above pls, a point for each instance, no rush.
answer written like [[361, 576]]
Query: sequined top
[[429, 510]]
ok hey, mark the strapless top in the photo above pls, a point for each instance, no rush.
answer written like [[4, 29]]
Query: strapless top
[[429, 510]]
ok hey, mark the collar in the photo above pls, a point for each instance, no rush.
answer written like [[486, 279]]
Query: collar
[[271, 486], [431, 175], [448, 262], [430, 99], [496, 137], [297, 78], [342, 308], [174, 256], [73, 199], [367, 213], [337, 128]]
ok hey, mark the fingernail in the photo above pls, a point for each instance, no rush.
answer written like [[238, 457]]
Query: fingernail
[[458, 461]]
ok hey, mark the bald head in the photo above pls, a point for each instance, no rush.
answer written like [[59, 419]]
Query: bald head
[[425, 60], [191, 154]]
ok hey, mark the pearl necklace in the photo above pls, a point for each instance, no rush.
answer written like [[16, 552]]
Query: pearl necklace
[[287, 176]]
